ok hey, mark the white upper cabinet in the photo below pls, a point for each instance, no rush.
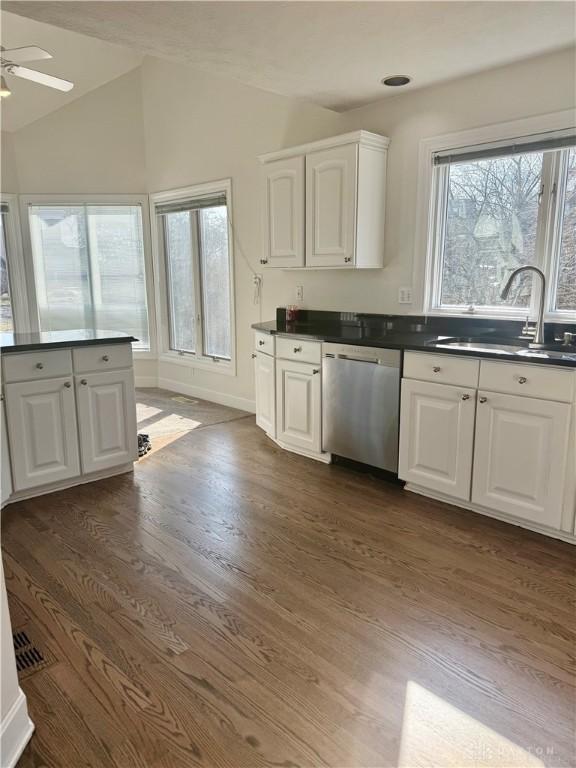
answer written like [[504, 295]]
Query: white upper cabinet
[[324, 203], [284, 213], [331, 206], [520, 456]]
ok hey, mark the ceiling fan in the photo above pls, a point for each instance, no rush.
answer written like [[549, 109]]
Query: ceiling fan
[[10, 64]]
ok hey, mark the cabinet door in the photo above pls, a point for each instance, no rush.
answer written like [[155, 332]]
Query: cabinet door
[[436, 436], [520, 456], [331, 207], [265, 380], [6, 477], [43, 434], [298, 399], [284, 213], [107, 419]]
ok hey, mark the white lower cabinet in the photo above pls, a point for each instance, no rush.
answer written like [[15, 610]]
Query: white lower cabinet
[[6, 474], [106, 419], [298, 401], [437, 436], [520, 456], [265, 383], [510, 452], [42, 431]]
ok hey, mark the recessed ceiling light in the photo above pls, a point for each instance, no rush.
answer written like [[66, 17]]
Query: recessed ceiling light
[[395, 80]]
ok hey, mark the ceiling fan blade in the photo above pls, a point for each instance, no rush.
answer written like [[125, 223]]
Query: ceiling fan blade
[[40, 77], [26, 53]]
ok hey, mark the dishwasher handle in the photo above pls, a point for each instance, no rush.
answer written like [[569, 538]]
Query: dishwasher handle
[[355, 359]]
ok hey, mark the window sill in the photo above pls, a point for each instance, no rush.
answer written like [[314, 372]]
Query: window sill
[[548, 318], [226, 368]]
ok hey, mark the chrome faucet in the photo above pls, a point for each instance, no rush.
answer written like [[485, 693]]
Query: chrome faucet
[[539, 331]]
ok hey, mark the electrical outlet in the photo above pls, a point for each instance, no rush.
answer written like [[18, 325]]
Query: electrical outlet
[[405, 295], [299, 293]]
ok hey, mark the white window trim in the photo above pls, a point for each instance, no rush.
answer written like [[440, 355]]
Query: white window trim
[[16, 267], [165, 354], [426, 229], [91, 199]]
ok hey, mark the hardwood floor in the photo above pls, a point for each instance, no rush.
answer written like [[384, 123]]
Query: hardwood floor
[[231, 604]]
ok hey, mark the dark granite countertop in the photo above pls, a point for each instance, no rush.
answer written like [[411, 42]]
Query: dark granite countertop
[[81, 337], [425, 334]]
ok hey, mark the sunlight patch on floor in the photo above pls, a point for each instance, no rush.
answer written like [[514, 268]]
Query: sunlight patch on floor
[[434, 733]]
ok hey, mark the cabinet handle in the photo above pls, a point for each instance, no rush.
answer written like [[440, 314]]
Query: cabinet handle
[[253, 355], [483, 399], [83, 382], [347, 259], [105, 358], [263, 261], [465, 397], [315, 370], [522, 379], [39, 366], [261, 343], [436, 369], [297, 349], [67, 384]]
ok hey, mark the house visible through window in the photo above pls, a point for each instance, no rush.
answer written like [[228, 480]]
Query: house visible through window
[[194, 239], [6, 317], [499, 209], [89, 268]]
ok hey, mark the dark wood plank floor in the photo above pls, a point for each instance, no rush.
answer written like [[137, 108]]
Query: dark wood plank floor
[[231, 604]]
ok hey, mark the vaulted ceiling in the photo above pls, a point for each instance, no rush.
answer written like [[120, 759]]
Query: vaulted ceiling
[[331, 53]]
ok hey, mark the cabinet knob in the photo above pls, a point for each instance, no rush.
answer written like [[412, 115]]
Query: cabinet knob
[[263, 261], [105, 358], [465, 397], [297, 349], [67, 384], [261, 343], [436, 369], [253, 355], [483, 399], [315, 370], [522, 379], [347, 259], [83, 382], [39, 366]]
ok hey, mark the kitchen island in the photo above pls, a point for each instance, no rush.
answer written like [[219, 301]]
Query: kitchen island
[[68, 410]]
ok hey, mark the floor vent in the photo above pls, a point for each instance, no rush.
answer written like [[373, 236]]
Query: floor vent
[[184, 399], [29, 658]]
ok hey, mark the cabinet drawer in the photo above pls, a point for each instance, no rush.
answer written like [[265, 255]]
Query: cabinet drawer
[[299, 349], [264, 342], [443, 369], [529, 380], [30, 366], [102, 357]]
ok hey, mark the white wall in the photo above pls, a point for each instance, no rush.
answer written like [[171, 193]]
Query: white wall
[[534, 87], [15, 725], [201, 128], [166, 125], [95, 144], [8, 172]]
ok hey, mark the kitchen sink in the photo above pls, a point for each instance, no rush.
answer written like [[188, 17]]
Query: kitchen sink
[[504, 346]]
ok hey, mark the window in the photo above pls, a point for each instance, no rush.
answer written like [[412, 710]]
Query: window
[[499, 207], [6, 317], [89, 267], [193, 239]]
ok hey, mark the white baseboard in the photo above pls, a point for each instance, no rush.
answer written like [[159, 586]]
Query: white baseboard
[[556, 534], [146, 381], [241, 403], [15, 732]]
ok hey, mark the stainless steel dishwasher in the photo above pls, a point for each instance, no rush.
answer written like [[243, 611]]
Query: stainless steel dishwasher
[[360, 403]]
